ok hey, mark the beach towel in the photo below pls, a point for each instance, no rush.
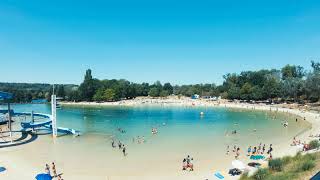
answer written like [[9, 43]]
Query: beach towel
[[218, 175], [257, 157]]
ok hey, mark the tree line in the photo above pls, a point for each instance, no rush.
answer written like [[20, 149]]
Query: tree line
[[290, 83]]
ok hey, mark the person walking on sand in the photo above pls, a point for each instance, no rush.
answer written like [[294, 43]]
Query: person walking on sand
[[263, 148], [249, 151], [228, 150], [119, 145], [237, 153], [270, 149], [48, 169], [124, 150], [54, 170]]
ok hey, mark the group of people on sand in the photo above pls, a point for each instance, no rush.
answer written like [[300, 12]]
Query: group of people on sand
[[235, 150], [259, 150], [296, 142], [121, 147], [187, 163], [54, 171]]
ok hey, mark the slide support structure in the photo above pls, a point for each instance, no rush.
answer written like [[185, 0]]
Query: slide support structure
[[54, 115]]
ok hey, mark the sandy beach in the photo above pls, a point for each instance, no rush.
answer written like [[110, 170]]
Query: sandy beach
[[20, 165]]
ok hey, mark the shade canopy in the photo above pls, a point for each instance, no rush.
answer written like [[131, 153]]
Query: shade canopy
[[5, 95]]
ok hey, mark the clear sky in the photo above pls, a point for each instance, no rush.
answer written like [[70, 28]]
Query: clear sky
[[180, 42]]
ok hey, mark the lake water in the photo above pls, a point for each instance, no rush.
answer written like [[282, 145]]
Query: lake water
[[181, 131]]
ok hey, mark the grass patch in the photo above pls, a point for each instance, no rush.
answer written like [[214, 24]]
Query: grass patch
[[261, 174], [276, 164], [305, 166], [287, 168]]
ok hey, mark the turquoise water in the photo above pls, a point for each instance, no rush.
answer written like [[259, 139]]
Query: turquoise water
[[173, 122]]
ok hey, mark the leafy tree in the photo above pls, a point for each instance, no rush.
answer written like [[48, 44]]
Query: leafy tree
[[154, 92], [292, 72], [61, 92], [109, 95], [233, 92], [245, 91], [89, 87], [167, 87]]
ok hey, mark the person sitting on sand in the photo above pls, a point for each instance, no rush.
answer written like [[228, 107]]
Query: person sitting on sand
[[294, 142], [184, 164], [190, 165]]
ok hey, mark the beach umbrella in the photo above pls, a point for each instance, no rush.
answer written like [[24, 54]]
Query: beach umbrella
[[43, 176], [238, 164]]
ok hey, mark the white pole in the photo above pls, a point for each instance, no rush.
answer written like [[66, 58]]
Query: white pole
[[9, 120], [54, 115]]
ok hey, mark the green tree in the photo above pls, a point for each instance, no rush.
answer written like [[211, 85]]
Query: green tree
[[109, 95], [233, 92], [154, 92], [60, 91], [245, 91], [167, 87], [89, 87], [292, 72]]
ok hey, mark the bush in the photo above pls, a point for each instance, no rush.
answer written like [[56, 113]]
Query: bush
[[276, 164], [306, 166], [244, 176], [314, 144], [261, 174], [310, 157], [286, 160]]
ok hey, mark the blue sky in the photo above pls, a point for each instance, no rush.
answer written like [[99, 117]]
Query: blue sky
[[180, 42]]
